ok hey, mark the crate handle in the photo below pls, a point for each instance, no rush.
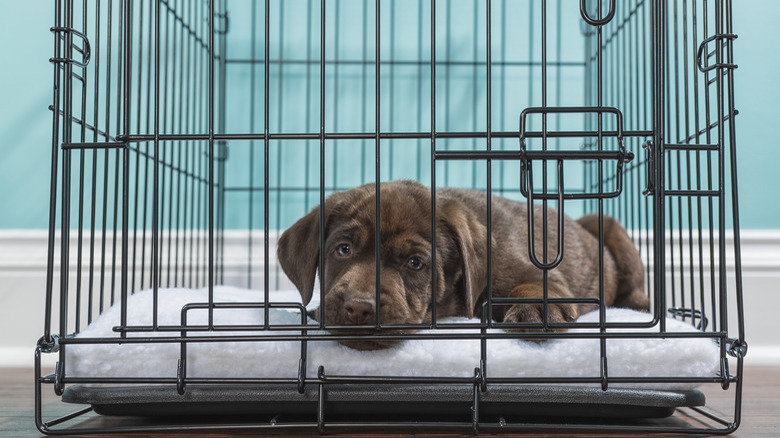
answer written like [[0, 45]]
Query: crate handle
[[86, 51], [701, 60], [594, 22]]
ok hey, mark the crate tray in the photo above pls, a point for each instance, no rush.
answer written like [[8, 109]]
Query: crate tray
[[397, 402]]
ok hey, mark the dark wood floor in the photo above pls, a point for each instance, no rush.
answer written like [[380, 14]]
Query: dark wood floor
[[760, 418]]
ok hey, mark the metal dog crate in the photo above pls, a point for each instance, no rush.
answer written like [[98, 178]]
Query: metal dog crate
[[188, 133]]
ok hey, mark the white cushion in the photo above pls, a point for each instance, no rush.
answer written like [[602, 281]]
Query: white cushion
[[634, 357]]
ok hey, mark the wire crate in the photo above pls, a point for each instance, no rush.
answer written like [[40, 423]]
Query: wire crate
[[187, 135]]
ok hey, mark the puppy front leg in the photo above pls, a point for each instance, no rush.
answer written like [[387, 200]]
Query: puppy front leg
[[534, 312]]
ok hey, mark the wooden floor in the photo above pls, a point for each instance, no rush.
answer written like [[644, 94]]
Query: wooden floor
[[760, 417]]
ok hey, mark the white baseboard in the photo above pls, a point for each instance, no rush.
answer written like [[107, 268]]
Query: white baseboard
[[21, 357], [763, 355], [23, 277]]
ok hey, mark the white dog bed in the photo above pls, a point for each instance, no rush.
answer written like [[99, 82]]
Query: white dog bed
[[639, 357]]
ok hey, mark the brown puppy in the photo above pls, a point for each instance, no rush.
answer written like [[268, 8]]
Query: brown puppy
[[461, 259]]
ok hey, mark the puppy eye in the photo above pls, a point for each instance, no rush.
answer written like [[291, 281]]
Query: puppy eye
[[344, 249], [415, 263]]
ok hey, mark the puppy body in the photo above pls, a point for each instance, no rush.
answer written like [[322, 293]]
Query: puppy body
[[460, 270], [577, 275]]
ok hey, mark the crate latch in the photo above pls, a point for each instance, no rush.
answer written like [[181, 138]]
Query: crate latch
[[620, 157], [650, 190]]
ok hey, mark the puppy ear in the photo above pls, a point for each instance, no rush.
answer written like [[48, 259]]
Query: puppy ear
[[470, 237], [298, 251]]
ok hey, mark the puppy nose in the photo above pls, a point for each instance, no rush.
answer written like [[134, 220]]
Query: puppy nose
[[359, 311]]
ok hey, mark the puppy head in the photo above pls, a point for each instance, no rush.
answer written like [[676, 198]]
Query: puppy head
[[349, 279]]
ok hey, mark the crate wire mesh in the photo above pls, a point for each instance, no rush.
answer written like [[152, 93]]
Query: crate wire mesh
[[186, 134]]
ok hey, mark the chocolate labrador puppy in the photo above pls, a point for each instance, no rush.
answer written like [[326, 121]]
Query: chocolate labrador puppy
[[406, 259]]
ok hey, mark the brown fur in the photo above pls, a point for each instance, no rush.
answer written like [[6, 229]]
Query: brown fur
[[461, 259]]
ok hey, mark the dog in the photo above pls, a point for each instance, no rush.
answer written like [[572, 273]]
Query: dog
[[405, 260]]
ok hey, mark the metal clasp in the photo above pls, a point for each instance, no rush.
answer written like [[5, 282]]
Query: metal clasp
[[650, 190], [49, 345], [737, 348]]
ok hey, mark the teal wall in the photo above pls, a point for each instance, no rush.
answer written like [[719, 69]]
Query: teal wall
[[757, 86], [25, 122]]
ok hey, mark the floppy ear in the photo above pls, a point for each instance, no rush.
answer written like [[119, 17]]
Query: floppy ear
[[470, 237], [298, 251]]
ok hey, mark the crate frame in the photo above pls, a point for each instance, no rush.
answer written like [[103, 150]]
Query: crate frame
[[72, 56]]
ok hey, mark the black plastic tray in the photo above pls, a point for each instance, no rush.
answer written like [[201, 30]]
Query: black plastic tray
[[396, 402]]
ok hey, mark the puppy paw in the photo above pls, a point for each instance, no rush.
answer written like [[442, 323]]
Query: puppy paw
[[533, 313]]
